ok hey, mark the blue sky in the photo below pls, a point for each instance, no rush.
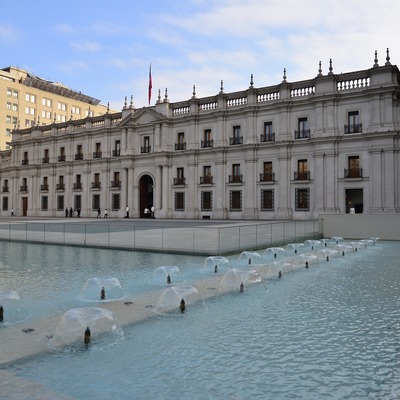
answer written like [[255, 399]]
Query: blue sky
[[104, 48]]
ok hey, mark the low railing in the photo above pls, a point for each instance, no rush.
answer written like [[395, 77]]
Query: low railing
[[353, 173], [205, 240]]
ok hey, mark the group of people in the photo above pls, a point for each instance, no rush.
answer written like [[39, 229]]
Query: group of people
[[69, 212], [149, 212]]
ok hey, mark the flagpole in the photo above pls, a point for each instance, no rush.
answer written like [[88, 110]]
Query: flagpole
[[150, 84]]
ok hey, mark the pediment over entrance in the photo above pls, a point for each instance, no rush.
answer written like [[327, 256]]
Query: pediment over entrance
[[143, 116]]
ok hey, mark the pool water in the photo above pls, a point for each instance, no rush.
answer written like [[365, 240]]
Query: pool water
[[328, 332]]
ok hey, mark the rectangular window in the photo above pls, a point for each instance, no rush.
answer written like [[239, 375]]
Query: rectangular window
[[5, 203], [60, 203], [15, 107], [44, 203], [46, 102], [206, 201], [353, 123], [179, 201], [115, 201], [61, 118], [181, 145], [302, 199], [62, 106], [77, 201], [8, 106], [75, 110], [207, 139], [95, 202], [8, 132], [146, 145], [302, 171], [267, 135], [117, 148], [8, 119], [180, 176], [9, 92], [237, 138], [236, 176], [15, 94], [267, 174], [303, 129], [354, 170], [235, 200], [267, 200], [31, 98]]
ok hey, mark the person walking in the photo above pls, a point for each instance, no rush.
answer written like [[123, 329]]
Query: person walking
[[98, 213], [78, 212], [127, 212], [106, 213]]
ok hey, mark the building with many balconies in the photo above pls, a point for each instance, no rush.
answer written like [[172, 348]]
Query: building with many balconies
[[293, 150], [27, 100]]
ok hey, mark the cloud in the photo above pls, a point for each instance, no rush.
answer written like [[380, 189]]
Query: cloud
[[87, 47]]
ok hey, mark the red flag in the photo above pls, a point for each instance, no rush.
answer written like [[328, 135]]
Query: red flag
[[150, 84]]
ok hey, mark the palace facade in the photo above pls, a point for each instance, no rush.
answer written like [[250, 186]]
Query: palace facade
[[295, 150]]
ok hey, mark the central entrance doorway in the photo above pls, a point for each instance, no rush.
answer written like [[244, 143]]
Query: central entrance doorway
[[146, 195], [354, 197]]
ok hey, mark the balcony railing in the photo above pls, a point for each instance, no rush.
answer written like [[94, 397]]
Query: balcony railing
[[180, 146], [145, 149], [97, 154], [267, 137], [61, 158], [25, 161], [179, 181], [353, 173], [235, 178], [77, 185], [354, 128], [78, 156], [116, 153], [115, 184], [5, 189], [60, 186], [96, 185], [236, 140], [23, 188], [302, 134], [302, 176], [206, 180], [267, 177], [45, 160], [207, 143], [44, 187]]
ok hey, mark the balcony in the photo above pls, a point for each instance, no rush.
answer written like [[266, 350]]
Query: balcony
[[207, 143], [61, 158], [180, 146], [206, 180], [302, 176], [96, 185], [235, 178], [354, 128], [353, 173], [78, 156], [179, 181], [236, 140], [77, 186], [267, 177], [116, 153], [60, 186], [5, 189], [115, 184], [145, 149], [45, 160], [97, 154], [23, 188], [302, 134], [267, 137], [25, 161], [44, 187]]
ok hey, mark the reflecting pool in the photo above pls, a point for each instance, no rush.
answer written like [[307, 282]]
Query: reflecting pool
[[328, 331]]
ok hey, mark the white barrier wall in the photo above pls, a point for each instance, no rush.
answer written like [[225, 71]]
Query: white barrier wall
[[362, 226]]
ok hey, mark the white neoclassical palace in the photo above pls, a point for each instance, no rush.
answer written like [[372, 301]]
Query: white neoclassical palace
[[296, 150]]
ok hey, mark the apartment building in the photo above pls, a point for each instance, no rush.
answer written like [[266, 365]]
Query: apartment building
[[294, 150], [26, 100]]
